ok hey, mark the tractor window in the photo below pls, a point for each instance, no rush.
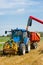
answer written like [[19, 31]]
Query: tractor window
[[17, 33], [24, 34], [18, 36]]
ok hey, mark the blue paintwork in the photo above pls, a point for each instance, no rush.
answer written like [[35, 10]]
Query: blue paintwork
[[18, 38], [23, 30], [26, 40]]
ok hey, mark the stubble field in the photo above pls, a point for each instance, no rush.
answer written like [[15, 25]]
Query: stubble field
[[35, 57]]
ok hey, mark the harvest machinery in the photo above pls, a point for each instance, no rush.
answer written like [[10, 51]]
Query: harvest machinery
[[34, 37], [19, 42]]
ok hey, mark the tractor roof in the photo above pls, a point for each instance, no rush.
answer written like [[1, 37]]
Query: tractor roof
[[23, 30]]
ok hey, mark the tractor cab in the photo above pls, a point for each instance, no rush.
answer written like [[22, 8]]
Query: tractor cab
[[18, 35]]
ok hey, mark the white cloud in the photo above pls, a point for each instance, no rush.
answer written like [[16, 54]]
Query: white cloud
[[2, 13], [33, 3], [14, 3], [18, 4], [12, 12], [20, 10], [3, 4], [10, 3]]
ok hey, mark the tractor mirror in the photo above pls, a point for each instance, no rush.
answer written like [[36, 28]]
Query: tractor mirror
[[5, 32]]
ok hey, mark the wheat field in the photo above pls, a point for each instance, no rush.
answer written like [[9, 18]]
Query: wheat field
[[35, 57]]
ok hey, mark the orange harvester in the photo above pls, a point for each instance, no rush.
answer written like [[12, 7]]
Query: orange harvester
[[34, 37]]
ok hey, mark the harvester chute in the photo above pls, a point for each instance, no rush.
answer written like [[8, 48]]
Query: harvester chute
[[30, 21]]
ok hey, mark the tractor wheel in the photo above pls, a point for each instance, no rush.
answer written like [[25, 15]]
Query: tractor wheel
[[22, 49], [28, 48]]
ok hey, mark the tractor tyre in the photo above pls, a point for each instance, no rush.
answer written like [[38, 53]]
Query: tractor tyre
[[22, 49], [28, 48]]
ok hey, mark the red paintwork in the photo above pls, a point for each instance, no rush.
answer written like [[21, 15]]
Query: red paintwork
[[40, 21], [34, 37]]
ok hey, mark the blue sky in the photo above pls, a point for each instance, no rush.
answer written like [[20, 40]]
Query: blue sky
[[15, 13]]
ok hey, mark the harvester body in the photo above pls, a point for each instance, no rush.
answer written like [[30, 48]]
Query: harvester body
[[34, 37]]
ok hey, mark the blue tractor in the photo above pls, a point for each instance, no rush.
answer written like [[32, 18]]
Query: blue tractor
[[19, 42]]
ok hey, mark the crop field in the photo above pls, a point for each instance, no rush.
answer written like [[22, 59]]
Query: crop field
[[35, 57], [4, 39]]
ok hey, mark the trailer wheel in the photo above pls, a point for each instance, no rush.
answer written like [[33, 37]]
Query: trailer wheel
[[22, 49], [34, 45]]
